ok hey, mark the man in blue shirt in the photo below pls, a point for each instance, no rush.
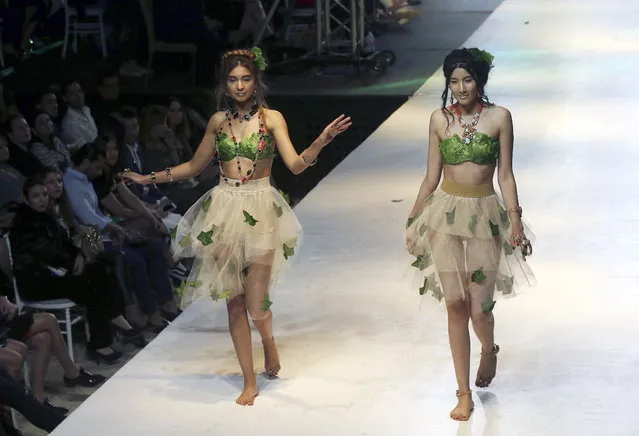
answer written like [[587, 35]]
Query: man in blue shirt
[[141, 257]]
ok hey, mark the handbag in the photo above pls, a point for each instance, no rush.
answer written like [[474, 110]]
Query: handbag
[[89, 240]]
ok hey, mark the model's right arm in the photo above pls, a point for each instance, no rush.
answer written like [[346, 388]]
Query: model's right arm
[[434, 166], [191, 168]]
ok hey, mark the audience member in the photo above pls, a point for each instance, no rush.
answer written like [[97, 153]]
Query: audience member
[[78, 125], [141, 254], [20, 156], [46, 146], [105, 103], [48, 265], [83, 237], [41, 333]]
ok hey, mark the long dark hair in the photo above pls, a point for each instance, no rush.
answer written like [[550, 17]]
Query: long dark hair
[[63, 203], [246, 59], [470, 60]]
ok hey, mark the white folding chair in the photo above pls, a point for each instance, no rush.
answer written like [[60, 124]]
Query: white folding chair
[[59, 305], [76, 28]]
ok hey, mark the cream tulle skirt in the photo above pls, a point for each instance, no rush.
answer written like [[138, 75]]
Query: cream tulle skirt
[[241, 239], [461, 244]]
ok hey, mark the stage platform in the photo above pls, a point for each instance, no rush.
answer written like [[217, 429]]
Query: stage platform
[[362, 354]]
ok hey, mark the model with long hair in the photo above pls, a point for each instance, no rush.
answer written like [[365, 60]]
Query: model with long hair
[[468, 242], [242, 232]]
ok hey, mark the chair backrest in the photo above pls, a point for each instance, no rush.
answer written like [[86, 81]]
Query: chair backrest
[[6, 262]]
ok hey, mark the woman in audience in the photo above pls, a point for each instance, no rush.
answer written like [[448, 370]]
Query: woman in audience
[[41, 333], [118, 201], [48, 265], [46, 146], [162, 147], [114, 260], [109, 149]]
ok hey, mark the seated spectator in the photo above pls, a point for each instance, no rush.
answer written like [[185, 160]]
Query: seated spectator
[[107, 145], [162, 147], [47, 265], [47, 102], [114, 259], [41, 333], [20, 156], [132, 155], [47, 147], [78, 125], [141, 254], [118, 201], [11, 181], [105, 104], [14, 395], [7, 104]]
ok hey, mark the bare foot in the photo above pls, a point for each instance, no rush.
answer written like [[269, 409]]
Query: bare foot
[[487, 368], [271, 358], [247, 396], [464, 407]]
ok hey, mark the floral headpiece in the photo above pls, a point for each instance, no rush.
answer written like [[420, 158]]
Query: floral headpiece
[[482, 56], [255, 54]]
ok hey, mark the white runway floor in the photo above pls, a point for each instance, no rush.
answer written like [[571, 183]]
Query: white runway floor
[[361, 354]]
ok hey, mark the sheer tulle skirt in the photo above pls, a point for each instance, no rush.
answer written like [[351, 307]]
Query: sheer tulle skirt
[[241, 239], [461, 244]]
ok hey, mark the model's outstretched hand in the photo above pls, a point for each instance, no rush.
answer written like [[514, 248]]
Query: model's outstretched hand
[[128, 176], [339, 125]]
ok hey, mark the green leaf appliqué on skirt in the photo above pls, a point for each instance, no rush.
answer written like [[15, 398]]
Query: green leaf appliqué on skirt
[[478, 276], [488, 304], [278, 210], [267, 303], [421, 262], [248, 219], [508, 249], [206, 238], [494, 228], [206, 204], [472, 225], [450, 216], [185, 241]]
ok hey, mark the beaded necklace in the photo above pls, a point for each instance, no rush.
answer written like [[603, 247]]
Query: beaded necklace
[[469, 129], [261, 146]]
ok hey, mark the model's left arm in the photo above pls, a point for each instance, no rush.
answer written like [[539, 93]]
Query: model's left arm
[[297, 163], [505, 175]]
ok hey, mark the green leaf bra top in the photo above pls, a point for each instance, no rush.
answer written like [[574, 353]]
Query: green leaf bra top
[[482, 150], [247, 147]]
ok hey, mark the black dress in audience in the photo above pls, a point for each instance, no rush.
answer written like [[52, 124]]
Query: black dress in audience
[[24, 161], [44, 258]]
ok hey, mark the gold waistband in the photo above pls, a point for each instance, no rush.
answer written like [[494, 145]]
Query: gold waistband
[[465, 190]]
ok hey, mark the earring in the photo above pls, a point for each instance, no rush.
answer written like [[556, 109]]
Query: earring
[[451, 99]]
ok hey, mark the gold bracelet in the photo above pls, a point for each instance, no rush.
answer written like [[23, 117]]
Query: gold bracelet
[[153, 176], [168, 174]]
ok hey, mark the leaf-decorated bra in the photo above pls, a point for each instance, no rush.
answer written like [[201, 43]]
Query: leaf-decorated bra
[[482, 150], [247, 147]]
